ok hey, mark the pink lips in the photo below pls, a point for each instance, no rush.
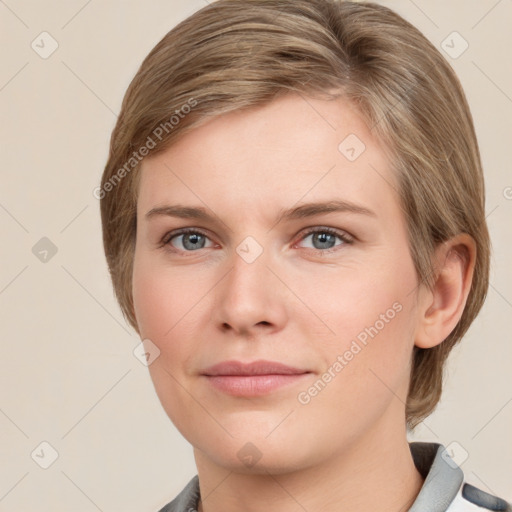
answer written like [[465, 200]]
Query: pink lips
[[253, 379]]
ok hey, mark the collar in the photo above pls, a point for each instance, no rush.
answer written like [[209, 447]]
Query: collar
[[443, 478]]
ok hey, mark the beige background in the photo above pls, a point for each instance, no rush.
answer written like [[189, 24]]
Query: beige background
[[68, 375]]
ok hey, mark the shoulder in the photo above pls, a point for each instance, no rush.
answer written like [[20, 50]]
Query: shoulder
[[444, 488], [187, 500], [471, 499]]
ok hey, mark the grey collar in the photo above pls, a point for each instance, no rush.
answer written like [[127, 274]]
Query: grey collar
[[443, 477]]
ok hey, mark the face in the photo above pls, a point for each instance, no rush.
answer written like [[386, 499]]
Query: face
[[272, 273]]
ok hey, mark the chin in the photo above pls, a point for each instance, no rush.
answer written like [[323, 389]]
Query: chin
[[250, 452], [251, 460]]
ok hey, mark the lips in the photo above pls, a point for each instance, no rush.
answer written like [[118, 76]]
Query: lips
[[252, 379], [254, 368]]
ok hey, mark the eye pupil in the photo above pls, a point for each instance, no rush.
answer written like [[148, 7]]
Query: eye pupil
[[324, 239], [194, 239]]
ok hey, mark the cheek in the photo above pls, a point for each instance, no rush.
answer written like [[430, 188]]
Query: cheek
[[161, 302], [162, 297], [169, 305], [149, 301], [367, 324], [367, 362], [356, 302]]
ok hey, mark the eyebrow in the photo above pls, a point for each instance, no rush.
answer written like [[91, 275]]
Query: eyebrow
[[299, 212]]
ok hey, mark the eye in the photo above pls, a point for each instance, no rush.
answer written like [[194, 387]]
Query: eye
[[187, 240], [324, 239], [192, 239]]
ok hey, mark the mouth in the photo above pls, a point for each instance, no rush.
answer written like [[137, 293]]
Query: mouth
[[253, 379]]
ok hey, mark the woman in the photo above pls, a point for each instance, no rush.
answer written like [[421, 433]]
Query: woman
[[293, 217]]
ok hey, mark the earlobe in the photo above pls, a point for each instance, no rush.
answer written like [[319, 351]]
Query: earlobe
[[441, 308]]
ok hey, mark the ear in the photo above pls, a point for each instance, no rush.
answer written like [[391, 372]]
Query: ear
[[441, 308]]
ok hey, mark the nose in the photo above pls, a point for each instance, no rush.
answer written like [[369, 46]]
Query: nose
[[251, 299]]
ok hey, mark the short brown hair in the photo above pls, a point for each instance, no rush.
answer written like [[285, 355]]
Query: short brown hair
[[235, 54]]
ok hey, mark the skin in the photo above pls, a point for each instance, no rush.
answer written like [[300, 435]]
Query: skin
[[296, 303]]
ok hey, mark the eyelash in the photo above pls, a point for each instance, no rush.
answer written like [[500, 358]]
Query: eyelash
[[344, 237]]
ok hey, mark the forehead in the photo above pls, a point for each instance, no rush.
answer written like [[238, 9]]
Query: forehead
[[292, 150]]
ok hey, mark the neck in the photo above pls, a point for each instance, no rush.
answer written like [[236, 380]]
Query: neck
[[376, 472]]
